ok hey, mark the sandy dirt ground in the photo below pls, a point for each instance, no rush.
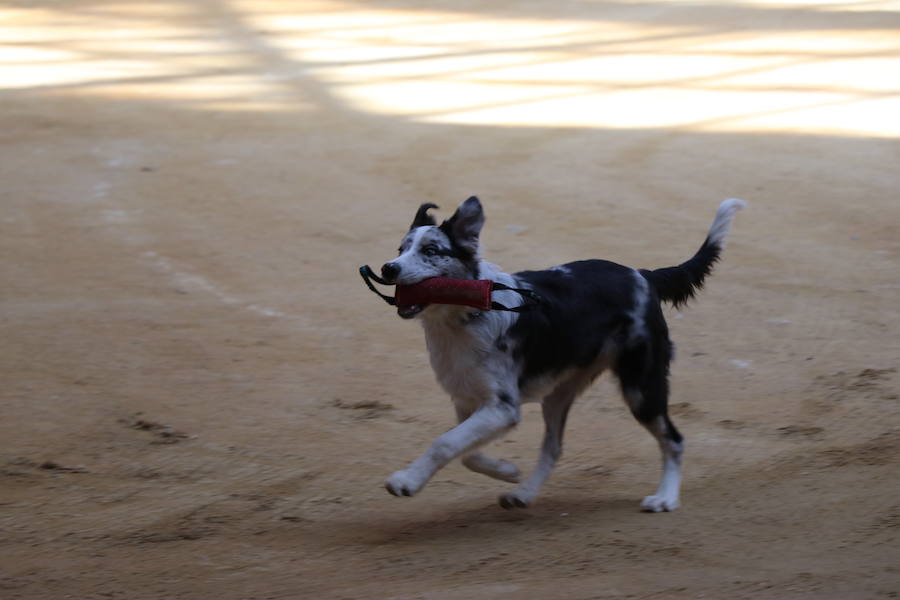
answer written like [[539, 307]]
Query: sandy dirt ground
[[201, 400]]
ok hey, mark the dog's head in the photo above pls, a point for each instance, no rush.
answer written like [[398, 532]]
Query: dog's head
[[430, 250]]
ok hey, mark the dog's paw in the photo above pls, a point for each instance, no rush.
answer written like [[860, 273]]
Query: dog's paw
[[402, 483], [659, 504], [513, 500]]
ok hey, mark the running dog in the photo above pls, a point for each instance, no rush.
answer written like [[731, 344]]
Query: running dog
[[592, 315]]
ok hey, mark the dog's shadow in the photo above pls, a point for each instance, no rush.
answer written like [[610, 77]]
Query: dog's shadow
[[477, 520]]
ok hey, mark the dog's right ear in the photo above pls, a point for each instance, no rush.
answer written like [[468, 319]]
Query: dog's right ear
[[464, 227], [422, 217]]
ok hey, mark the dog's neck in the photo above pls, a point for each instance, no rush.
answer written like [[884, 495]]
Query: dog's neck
[[488, 270]]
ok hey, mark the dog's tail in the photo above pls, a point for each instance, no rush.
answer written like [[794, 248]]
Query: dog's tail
[[678, 284]]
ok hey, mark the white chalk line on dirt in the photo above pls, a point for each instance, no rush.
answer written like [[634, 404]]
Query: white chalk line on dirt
[[120, 216], [198, 282], [740, 364], [188, 280], [130, 154]]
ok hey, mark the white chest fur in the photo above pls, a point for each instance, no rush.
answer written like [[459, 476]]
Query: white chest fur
[[464, 353], [458, 356]]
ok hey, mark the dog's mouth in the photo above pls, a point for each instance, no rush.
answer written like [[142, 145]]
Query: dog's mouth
[[410, 310]]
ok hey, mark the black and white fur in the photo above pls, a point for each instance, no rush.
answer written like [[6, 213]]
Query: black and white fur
[[594, 315]]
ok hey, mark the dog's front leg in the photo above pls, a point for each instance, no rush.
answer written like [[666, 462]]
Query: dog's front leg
[[497, 468], [493, 418]]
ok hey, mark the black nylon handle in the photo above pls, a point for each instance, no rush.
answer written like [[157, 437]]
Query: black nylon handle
[[527, 295], [367, 273]]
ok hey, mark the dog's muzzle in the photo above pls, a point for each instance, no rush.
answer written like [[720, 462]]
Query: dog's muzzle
[[410, 300]]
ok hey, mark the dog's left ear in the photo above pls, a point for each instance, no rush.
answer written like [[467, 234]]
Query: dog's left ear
[[422, 217], [465, 225]]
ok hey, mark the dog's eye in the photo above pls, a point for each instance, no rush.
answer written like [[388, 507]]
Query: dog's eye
[[429, 251]]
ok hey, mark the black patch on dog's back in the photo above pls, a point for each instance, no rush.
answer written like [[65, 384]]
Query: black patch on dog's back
[[585, 303]]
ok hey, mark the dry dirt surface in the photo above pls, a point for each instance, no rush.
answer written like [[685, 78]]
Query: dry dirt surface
[[200, 399]]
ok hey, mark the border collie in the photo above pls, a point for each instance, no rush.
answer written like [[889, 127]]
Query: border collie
[[592, 315]]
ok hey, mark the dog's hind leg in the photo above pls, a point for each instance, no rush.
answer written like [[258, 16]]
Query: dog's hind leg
[[555, 408], [672, 446], [644, 378], [497, 468], [496, 416]]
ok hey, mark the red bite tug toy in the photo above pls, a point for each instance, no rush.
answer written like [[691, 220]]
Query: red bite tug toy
[[412, 299], [443, 290]]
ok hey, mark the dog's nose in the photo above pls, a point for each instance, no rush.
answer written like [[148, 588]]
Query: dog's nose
[[390, 271]]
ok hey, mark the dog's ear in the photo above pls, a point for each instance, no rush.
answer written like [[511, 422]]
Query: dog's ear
[[422, 217], [465, 225]]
